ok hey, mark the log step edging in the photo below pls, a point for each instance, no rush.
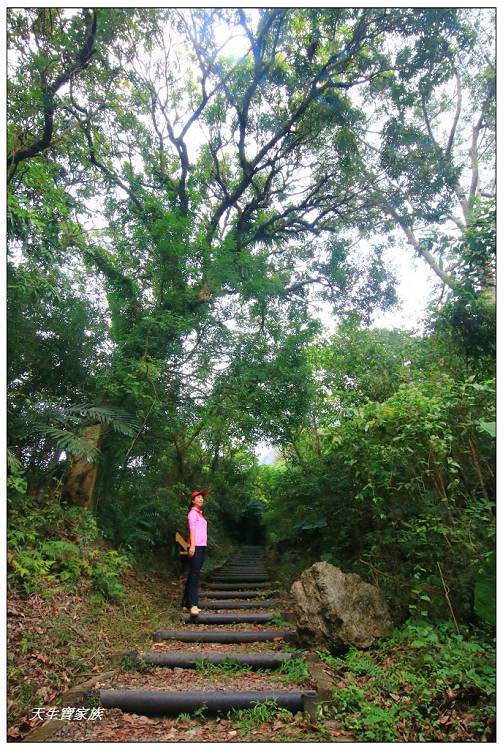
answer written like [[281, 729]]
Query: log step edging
[[325, 685], [225, 636], [234, 604], [72, 697], [203, 619], [167, 703], [236, 594]]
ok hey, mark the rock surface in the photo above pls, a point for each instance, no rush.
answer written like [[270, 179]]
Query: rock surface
[[334, 610]]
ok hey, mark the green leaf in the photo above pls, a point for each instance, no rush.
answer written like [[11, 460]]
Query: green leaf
[[308, 525], [489, 427]]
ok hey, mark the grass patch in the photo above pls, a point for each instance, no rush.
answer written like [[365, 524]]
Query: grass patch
[[278, 621], [229, 668], [294, 670], [187, 717], [246, 719], [132, 662]]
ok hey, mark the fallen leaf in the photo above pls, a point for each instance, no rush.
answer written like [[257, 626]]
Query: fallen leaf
[[15, 612], [129, 718], [143, 720], [46, 694], [43, 658], [332, 725]]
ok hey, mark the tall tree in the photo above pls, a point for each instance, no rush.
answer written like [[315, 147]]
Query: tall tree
[[226, 187]]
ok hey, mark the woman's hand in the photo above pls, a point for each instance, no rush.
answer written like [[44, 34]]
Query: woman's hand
[[192, 550]]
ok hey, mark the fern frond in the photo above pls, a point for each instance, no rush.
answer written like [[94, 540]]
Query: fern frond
[[68, 442], [120, 420], [13, 462]]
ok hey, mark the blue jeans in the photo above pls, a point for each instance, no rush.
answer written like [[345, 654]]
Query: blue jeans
[[190, 594]]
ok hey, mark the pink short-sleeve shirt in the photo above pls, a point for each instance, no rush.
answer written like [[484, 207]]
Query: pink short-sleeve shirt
[[198, 526]]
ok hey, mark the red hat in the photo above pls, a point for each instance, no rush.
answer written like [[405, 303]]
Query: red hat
[[199, 492]]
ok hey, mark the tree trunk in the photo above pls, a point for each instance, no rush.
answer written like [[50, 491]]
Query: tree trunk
[[180, 449], [81, 477]]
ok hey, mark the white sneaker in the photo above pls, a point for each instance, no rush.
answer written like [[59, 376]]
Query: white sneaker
[[194, 610]]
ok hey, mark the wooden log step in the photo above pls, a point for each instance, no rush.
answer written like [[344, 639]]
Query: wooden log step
[[225, 636], [245, 575], [250, 580], [203, 619], [235, 594], [240, 572], [242, 569], [231, 604], [234, 586], [166, 703]]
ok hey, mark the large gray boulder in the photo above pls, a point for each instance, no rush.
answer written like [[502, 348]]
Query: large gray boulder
[[334, 610]]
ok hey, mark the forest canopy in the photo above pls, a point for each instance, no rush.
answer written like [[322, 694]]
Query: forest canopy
[[185, 188]]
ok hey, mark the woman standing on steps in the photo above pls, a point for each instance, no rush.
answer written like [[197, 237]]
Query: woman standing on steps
[[198, 536]]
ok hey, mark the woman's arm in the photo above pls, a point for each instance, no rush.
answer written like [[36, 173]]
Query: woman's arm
[[192, 540], [192, 536]]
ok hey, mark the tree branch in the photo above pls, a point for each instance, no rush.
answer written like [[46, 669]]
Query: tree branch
[[49, 92], [422, 251], [457, 114], [107, 172]]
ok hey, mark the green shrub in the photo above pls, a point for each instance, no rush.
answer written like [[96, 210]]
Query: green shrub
[[66, 560], [105, 574], [485, 590], [51, 541], [399, 491]]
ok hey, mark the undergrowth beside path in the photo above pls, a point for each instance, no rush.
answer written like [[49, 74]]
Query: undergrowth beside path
[[57, 638], [422, 684]]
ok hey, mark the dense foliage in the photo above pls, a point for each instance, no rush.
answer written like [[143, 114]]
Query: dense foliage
[[185, 188], [393, 476], [423, 684]]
